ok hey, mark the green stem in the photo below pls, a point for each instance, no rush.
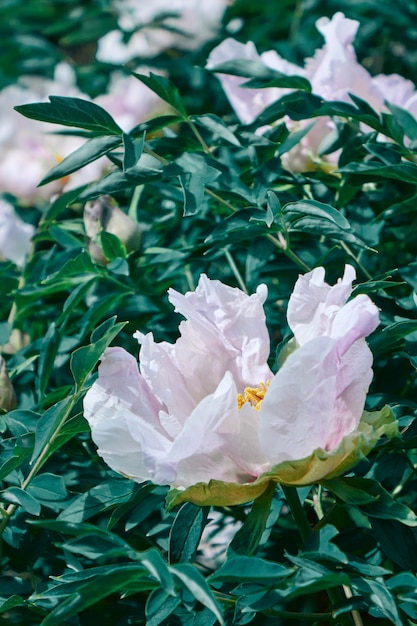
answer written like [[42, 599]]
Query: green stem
[[43, 456], [335, 595], [289, 253], [198, 136], [297, 511], [235, 270], [356, 259]]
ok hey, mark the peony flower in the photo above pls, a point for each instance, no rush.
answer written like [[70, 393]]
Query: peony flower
[[207, 416], [31, 148], [15, 235], [159, 25], [334, 74]]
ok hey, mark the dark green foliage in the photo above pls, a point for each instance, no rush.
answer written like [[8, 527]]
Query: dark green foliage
[[83, 545]]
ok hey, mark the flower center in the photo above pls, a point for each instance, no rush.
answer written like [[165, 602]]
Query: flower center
[[253, 395]]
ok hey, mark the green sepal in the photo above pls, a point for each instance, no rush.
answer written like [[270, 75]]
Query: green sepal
[[319, 465]]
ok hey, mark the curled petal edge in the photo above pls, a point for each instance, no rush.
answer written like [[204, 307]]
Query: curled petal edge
[[318, 466]]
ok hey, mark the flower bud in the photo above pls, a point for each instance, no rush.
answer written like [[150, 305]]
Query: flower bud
[[7, 394], [102, 215]]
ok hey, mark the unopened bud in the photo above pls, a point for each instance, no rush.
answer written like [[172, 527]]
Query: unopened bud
[[101, 215], [7, 394]]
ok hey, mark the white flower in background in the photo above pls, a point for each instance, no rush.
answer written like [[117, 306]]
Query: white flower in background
[[333, 72], [159, 25], [29, 148], [129, 101], [15, 235], [207, 416]]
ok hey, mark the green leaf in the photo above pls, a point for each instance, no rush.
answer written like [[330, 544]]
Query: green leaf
[[217, 128], [405, 172], [195, 171], [133, 150], [273, 209], [84, 359], [407, 121], [317, 218], [250, 569], [48, 351], [158, 568], [350, 490], [261, 75], [398, 542], [79, 269], [247, 538], [391, 337], [47, 426], [186, 532], [11, 603], [72, 112], [165, 89], [191, 578], [47, 487], [99, 498], [73, 300], [114, 579], [18, 496], [379, 598], [92, 149], [112, 247], [159, 606], [372, 498]]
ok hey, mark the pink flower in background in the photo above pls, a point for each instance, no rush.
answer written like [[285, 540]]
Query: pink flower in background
[[29, 148], [333, 72], [159, 25], [129, 101], [15, 235], [207, 411]]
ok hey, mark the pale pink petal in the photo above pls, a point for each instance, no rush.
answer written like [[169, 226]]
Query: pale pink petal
[[216, 443], [353, 380], [118, 402], [334, 72], [313, 303], [248, 103], [357, 319], [299, 406], [173, 386], [225, 330]]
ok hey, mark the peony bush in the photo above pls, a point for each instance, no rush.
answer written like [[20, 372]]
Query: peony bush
[[208, 322]]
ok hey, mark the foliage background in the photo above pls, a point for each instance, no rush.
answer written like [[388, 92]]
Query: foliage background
[[81, 544]]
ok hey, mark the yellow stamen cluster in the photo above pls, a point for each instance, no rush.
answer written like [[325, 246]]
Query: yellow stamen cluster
[[253, 395]]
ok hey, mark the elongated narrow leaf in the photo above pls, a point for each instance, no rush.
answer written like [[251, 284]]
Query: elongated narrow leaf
[[165, 89], [198, 587], [99, 498], [48, 352], [116, 578], [84, 359], [246, 569], [48, 424], [260, 75], [18, 496], [186, 532], [249, 535], [159, 606], [92, 149], [74, 112]]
